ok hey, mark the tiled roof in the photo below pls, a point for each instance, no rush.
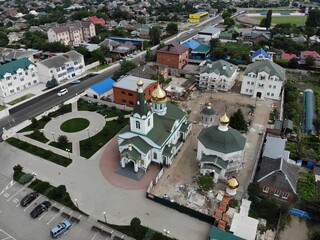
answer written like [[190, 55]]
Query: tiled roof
[[173, 48], [288, 56], [220, 67], [141, 107], [12, 67], [262, 52], [71, 26], [203, 48], [268, 66], [103, 86], [193, 44], [138, 143], [217, 234], [225, 34], [213, 159], [310, 53]]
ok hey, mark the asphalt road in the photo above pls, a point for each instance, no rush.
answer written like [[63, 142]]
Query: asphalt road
[[50, 99]]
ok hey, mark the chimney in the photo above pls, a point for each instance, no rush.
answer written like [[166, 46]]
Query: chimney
[[224, 67], [130, 147]]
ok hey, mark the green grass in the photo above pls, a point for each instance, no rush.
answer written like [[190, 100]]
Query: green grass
[[98, 68], [2, 107], [38, 136], [307, 187], [55, 144], [91, 145], [298, 20], [236, 47], [40, 152], [20, 99], [74, 125]]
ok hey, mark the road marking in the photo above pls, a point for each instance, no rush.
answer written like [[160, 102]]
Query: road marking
[[9, 236], [31, 202], [67, 217], [94, 236], [54, 216], [6, 195], [43, 215], [15, 200], [16, 193], [7, 187]]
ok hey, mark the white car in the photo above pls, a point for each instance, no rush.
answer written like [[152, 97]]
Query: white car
[[62, 92]]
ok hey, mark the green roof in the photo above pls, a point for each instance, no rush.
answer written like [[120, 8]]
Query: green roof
[[211, 167], [184, 127], [222, 141], [167, 150], [208, 111], [218, 234], [267, 66], [225, 34], [213, 159], [12, 67], [234, 28], [133, 154], [141, 107], [139, 143], [220, 67], [203, 48]]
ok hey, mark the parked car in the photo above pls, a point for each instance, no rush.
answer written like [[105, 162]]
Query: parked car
[[38, 210], [75, 81], [60, 229], [62, 92], [28, 199]]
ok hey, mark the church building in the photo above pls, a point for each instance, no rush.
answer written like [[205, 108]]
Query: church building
[[220, 150], [155, 133]]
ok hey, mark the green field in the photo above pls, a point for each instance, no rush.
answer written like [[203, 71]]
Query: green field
[[298, 20], [74, 125]]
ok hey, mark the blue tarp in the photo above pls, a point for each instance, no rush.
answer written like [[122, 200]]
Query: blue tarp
[[300, 213], [103, 86]]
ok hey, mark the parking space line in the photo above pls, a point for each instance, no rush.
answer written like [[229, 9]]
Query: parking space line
[[9, 236], [16, 193], [54, 216], [43, 215], [8, 186], [94, 236], [31, 204]]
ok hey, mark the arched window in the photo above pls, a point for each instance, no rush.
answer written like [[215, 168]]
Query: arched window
[[137, 124], [155, 156], [149, 122]]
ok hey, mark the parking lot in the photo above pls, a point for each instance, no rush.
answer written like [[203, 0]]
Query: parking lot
[[16, 223]]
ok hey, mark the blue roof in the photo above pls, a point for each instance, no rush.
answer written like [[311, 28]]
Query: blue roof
[[193, 44], [103, 86], [260, 51]]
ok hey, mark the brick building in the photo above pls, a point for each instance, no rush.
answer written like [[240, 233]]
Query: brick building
[[125, 90], [173, 55]]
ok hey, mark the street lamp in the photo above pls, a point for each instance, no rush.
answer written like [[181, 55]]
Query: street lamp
[[76, 200], [68, 150], [53, 136], [105, 218], [166, 232]]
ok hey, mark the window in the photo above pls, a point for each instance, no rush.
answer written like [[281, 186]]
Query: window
[[274, 86], [131, 103], [277, 193], [250, 90], [123, 101], [33, 75], [18, 89], [123, 93], [270, 86], [155, 155], [262, 77], [285, 195], [35, 81], [148, 122], [272, 94], [137, 124], [9, 84], [7, 78], [265, 189], [252, 83], [130, 94], [12, 91], [247, 90], [268, 94]]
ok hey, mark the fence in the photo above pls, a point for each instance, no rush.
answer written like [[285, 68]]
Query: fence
[[109, 104], [92, 65], [192, 213]]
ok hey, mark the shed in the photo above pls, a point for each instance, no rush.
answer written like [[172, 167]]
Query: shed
[[101, 89], [287, 126]]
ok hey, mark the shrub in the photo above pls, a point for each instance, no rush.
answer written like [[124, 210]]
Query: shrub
[[46, 118], [205, 182], [62, 141], [59, 191], [34, 122], [41, 187], [17, 169], [49, 192], [135, 223], [25, 178]]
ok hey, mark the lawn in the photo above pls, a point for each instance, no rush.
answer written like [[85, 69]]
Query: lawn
[[2, 107], [20, 99], [236, 47], [298, 20], [64, 148], [38, 136], [74, 125], [98, 68], [90, 146]]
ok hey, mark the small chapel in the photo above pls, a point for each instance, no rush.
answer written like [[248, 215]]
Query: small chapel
[[155, 133]]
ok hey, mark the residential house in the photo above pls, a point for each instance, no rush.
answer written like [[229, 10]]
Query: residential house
[[125, 90], [314, 54], [220, 150], [101, 90], [16, 76], [62, 67], [13, 37], [287, 56], [218, 76], [198, 51], [143, 31], [263, 79], [90, 46], [261, 54], [72, 33], [234, 30], [109, 43], [208, 33], [149, 70], [95, 20], [255, 37], [124, 49], [173, 55], [299, 39], [225, 36], [155, 134], [10, 54]]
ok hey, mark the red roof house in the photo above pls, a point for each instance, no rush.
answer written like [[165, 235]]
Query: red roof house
[[288, 56], [305, 54], [96, 20]]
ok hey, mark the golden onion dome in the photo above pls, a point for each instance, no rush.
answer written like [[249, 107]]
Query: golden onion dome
[[158, 95], [224, 119], [139, 83], [232, 183]]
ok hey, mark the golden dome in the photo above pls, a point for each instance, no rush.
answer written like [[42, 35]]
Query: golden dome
[[232, 183], [139, 83], [158, 95], [224, 119]]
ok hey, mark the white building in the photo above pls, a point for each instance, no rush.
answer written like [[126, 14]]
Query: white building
[[16, 76], [208, 33], [263, 79], [72, 33], [62, 67], [220, 150], [154, 134], [218, 76]]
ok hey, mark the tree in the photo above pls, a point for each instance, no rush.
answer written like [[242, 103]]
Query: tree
[[150, 57], [17, 169], [34, 122], [98, 55], [263, 22], [135, 223], [313, 19], [154, 34], [293, 63], [52, 83], [172, 28], [226, 14], [62, 141], [310, 61], [269, 19], [60, 191], [229, 21], [205, 182], [214, 43], [237, 121], [3, 39], [125, 67]]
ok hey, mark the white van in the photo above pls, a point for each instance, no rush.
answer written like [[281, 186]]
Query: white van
[[62, 92]]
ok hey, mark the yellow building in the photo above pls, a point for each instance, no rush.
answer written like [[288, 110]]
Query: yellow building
[[197, 17]]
